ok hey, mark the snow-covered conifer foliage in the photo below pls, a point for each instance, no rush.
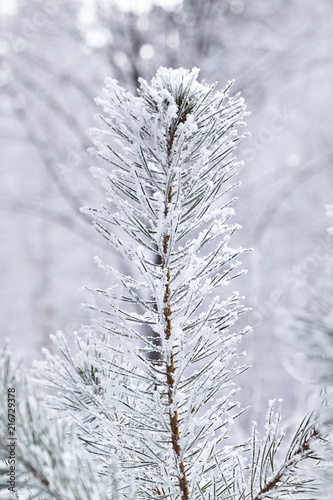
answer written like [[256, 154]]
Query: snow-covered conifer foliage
[[172, 345], [313, 322], [150, 393], [313, 339]]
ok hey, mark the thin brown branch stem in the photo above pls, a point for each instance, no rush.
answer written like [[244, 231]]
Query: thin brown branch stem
[[170, 365]]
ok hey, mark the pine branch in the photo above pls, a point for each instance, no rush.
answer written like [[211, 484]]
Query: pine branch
[[301, 449], [288, 468], [165, 420], [46, 459]]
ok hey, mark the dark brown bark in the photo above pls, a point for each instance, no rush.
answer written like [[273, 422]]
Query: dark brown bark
[[170, 366]]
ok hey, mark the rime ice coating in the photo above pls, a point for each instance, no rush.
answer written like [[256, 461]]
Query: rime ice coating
[[170, 157], [151, 391]]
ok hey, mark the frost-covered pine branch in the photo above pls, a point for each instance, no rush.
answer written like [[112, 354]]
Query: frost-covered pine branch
[[171, 149], [39, 455], [313, 324], [273, 479], [314, 320], [150, 392]]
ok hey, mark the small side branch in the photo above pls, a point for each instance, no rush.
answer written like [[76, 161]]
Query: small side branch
[[293, 460]]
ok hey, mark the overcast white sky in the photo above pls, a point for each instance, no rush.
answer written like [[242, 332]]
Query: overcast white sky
[[9, 6], [142, 5]]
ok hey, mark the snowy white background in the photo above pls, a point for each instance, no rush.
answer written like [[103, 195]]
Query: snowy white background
[[54, 57]]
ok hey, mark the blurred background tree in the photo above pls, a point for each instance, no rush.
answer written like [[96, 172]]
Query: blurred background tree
[[55, 55]]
